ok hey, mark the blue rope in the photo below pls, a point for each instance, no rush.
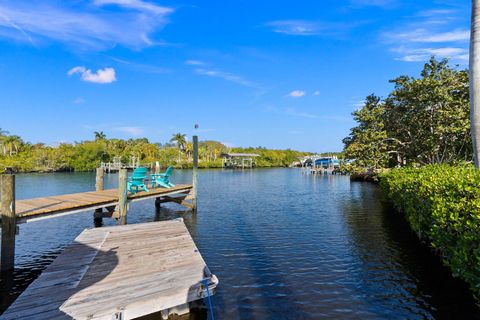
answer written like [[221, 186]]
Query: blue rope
[[209, 298]]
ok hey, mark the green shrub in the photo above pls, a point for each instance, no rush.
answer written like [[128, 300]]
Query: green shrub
[[442, 205]]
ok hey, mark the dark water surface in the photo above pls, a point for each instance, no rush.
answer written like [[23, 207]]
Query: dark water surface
[[283, 245]]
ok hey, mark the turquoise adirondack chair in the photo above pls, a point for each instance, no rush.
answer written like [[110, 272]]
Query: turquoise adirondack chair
[[136, 181], [162, 179]]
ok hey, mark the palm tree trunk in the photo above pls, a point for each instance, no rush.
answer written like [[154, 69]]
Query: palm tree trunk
[[475, 81]]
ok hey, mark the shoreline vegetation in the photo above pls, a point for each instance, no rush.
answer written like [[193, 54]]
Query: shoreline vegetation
[[442, 206], [422, 121], [416, 143], [22, 156]]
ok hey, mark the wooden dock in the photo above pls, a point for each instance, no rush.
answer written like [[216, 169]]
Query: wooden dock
[[72, 203], [120, 272], [115, 201]]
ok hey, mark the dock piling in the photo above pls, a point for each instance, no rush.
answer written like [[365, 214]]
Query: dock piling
[[99, 179], [194, 174], [122, 196], [98, 214], [9, 225]]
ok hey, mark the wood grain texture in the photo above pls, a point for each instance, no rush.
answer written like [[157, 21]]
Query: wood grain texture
[[84, 201], [137, 269], [7, 207]]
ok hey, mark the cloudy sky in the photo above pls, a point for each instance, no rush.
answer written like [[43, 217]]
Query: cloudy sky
[[280, 74]]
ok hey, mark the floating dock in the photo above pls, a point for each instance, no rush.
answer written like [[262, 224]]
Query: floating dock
[[120, 273]]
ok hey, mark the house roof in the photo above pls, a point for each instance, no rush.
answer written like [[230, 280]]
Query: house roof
[[240, 155]]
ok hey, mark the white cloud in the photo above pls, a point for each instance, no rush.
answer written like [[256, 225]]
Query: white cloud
[[376, 3], [301, 114], [436, 12], [357, 104], [142, 67], [295, 27], [316, 93], [106, 75], [82, 25], [428, 33], [423, 54], [79, 100], [296, 94], [137, 5], [195, 63], [226, 76], [133, 131], [426, 36], [313, 28], [294, 112], [295, 132], [111, 127]]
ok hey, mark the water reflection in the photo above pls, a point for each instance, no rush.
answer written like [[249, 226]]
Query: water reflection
[[396, 267], [283, 245]]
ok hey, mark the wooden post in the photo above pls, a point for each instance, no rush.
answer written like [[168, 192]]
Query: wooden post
[[99, 179], [9, 225], [97, 216], [122, 196], [194, 174]]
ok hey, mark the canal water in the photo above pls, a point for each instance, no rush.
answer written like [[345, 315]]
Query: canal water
[[283, 245]]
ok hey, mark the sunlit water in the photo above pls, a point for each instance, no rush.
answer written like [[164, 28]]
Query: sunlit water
[[283, 245]]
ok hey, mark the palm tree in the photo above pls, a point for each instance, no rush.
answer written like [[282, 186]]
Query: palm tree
[[99, 135], [475, 81], [3, 145], [10, 144], [189, 150], [180, 140]]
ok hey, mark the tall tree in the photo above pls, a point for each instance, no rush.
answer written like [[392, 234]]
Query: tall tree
[[429, 115], [100, 135], [423, 121], [475, 80], [367, 142], [11, 145], [180, 140]]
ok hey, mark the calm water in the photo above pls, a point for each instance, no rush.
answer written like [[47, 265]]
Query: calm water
[[284, 246]]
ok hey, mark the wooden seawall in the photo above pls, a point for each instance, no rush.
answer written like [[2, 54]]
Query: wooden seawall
[[120, 272]]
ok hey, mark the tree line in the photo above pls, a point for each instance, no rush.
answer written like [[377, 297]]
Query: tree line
[[87, 155], [424, 120]]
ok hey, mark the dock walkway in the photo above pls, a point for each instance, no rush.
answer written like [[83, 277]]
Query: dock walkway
[[120, 272], [78, 202]]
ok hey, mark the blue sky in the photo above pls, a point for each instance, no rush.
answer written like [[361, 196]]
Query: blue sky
[[279, 74]]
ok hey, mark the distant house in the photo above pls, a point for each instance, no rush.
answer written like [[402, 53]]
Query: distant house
[[319, 161], [239, 160], [327, 162]]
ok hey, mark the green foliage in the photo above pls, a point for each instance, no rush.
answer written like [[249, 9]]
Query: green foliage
[[99, 135], [423, 121], [367, 142], [442, 205], [87, 155], [272, 158], [180, 140]]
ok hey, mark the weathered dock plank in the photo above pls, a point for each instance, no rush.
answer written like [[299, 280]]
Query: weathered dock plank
[[134, 270], [77, 202]]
